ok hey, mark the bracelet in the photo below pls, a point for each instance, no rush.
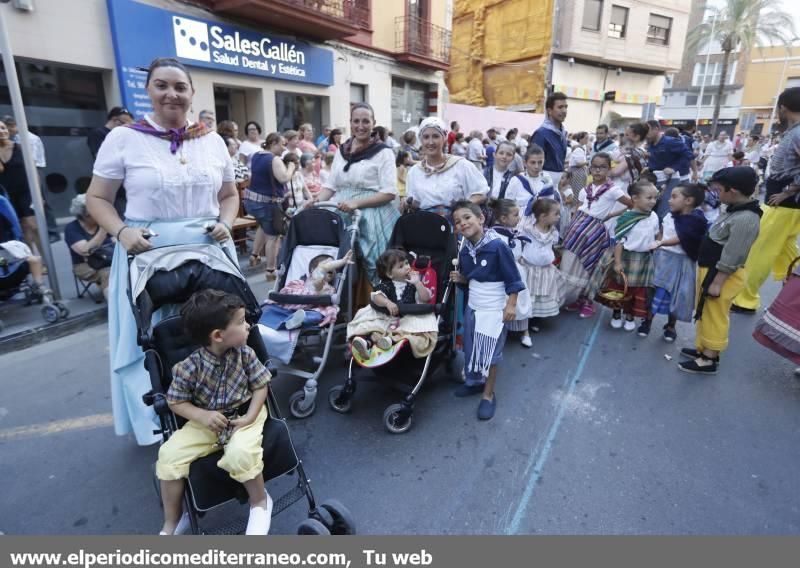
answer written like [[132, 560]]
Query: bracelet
[[122, 229]]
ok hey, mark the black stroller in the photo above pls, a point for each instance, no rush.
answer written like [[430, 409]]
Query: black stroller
[[167, 276], [423, 234], [311, 233]]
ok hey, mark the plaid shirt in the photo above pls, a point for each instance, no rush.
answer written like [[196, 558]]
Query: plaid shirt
[[217, 383]]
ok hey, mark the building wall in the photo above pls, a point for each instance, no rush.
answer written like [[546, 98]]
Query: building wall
[[583, 84], [384, 14], [633, 50], [768, 72], [499, 52]]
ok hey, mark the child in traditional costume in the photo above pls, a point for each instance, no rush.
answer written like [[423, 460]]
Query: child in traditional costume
[[487, 265]]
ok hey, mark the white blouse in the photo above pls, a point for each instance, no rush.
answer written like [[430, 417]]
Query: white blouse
[[669, 233], [517, 192], [158, 185], [539, 252], [604, 205], [460, 181], [643, 235], [378, 174], [247, 149]]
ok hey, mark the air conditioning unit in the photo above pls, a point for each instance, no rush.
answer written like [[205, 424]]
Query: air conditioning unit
[[26, 5]]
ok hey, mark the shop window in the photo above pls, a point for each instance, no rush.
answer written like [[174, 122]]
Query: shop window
[[409, 104], [618, 23], [592, 14], [62, 104], [658, 30], [294, 109]]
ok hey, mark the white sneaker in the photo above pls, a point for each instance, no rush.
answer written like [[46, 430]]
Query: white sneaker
[[361, 347], [260, 519], [296, 320], [526, 341], [616, 323], [630, 325], [384, 343]]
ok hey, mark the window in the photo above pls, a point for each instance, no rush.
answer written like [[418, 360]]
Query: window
[[592, 13], [618, 23], [712, 75], [792, 82], [358, 93], [691, 100], [658, 29]]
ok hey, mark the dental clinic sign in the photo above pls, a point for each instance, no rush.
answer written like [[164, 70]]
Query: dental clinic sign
[[142, 32]]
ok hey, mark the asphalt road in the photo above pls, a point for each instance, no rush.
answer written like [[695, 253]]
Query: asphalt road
[[596, 432]]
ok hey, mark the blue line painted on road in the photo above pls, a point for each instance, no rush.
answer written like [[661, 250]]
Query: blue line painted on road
[[533, 480]]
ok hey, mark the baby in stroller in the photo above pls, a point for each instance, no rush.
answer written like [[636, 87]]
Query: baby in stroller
[[319, 281], [220, 389], [16, 251], [381, 327]]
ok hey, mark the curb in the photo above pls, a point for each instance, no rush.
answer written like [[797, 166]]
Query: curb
[[42, 334]]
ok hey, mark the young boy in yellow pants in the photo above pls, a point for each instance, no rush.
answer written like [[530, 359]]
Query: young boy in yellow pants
[[220, 389], [720, 273]]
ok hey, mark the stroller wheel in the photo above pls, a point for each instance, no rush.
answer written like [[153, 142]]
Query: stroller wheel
[[313, 527], [295, 407], [50, 313], [397, 418], [343, 521], [338, 403], [63, 311]]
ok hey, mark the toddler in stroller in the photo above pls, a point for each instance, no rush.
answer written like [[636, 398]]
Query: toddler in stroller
[[224, 405], [375, 327]]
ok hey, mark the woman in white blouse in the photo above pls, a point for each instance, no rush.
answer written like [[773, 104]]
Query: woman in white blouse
[[179, 178], [364, 177], [439, 180], [252, 143]]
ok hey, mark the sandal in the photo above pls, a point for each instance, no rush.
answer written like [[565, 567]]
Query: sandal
[[255, 260], [270, 274]]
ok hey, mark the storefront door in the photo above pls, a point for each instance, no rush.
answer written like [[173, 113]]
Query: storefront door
[[409, 104], [293, 109]]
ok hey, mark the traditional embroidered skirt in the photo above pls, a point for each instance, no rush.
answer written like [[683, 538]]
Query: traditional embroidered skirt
[[584, 243], [638, 268], [375, 228], [674, 283], [546, 288], [779, 327]]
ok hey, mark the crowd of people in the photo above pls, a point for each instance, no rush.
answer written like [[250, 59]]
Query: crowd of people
[[650, 221]]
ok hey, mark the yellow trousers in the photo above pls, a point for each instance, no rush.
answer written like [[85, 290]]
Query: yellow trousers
[[242, 457], [774, 250], [711, 330]]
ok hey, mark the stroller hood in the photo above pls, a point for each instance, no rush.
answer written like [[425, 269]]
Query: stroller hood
[[170, 275]]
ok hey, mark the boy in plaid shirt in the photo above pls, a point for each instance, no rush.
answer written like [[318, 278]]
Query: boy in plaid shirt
[[211, 389]]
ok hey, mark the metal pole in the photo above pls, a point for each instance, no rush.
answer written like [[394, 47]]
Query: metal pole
[[705, 74], [30, 164], [603, 97], [777, 94]]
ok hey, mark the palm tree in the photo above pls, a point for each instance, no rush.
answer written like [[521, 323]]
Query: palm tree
[[742, 24]]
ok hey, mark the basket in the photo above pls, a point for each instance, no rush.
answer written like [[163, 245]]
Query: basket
[[612, 297]]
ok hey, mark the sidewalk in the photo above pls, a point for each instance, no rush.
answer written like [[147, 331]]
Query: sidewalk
[[24, 326]]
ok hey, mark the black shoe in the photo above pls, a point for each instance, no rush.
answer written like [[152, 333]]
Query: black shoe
[[670, 334], [486, 408], [695, 354], [741, 310], [468, 390], [644, 328], [696, 369]]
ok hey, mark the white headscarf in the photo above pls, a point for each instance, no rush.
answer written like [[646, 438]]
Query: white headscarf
[[435, 123]]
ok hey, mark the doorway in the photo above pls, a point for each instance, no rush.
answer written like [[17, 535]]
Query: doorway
[[232, 104], [294, 109]]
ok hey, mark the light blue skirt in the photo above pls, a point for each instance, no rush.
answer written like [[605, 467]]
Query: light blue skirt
[[129, 379]]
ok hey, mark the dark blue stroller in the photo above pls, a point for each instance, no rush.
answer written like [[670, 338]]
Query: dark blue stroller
[[15, 273]]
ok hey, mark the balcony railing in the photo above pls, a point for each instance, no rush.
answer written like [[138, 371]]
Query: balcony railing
[[323, 19], [419, 42]]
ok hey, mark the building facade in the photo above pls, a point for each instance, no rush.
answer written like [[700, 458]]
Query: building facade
[[611, 57], [298, 61], [691, 93], [608, 56], [770, 71]]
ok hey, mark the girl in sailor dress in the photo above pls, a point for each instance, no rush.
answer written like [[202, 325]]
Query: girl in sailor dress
[[505, 212], [488, 267]]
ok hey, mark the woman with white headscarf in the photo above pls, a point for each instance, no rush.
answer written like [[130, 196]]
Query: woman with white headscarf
[[439, 180]]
